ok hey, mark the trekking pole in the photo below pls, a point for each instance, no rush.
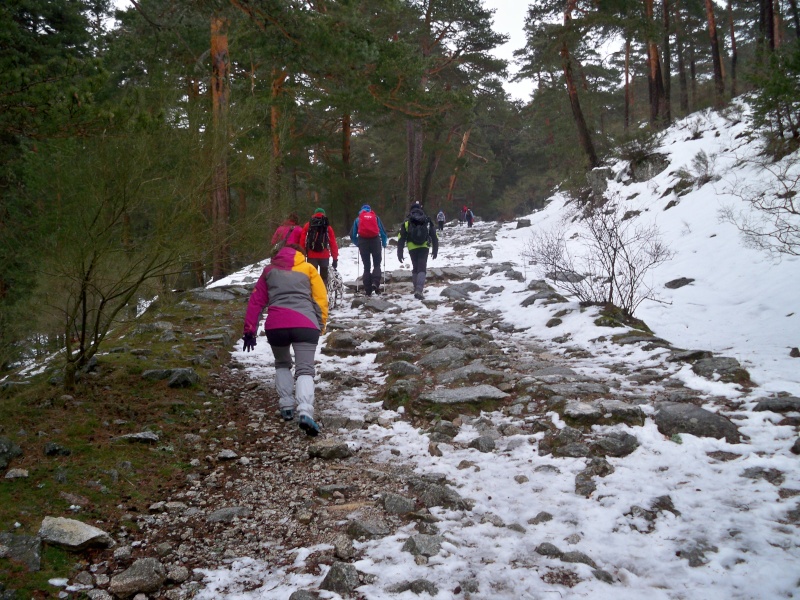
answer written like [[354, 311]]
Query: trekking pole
[[358, 267], [384, 269]]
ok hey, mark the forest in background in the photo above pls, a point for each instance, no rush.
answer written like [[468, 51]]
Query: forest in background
[[159, 146]]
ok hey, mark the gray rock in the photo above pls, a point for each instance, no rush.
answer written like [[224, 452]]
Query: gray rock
[[781, 404], [156, 374], [423, 545], [597, 179], [696, 553], [418, 586], [773, 476], [213, 295], [672, 418], [678, 283], [549, 550], [228, 514], [485, 253], [342, 578], [177, 573], [99, 595], [448, 357], [8, 451], [343, 547], [181, 378], [434, 494], [522, 223], [330, 450], [478, 393], [304, 595], [53, 449], [645, 168], [370, 530], [143, 437], [688, 355], [146, 575], [542, 517], [395, 504], [24, 549], [342, 340], [475, 372], [483, 443], [578, 557], [617, 443], [448, 338], [725, 368], [72, 534], [403, 368]]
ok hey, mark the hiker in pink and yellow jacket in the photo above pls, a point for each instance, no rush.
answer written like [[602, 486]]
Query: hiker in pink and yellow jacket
[[297, 312]]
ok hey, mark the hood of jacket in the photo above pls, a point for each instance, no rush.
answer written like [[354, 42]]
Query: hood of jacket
[[287, 257]]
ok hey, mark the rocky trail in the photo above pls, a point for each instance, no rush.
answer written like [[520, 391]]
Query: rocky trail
[[464, 457]]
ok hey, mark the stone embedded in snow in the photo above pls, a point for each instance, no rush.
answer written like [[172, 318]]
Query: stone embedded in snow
[[672, 418], [781, 404], [478, 393], [146, 575], [395, 504], [358, 529], [72, 534], [723, 368], [342, 578], [678, 283], [483, 443], [423, 545]]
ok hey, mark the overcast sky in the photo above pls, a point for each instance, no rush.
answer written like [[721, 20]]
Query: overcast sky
[[509, 17]]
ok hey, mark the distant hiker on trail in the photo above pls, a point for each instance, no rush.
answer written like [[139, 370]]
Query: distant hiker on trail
[[469, 217], [287, 233], [369, 235], [297, 312], [419, 234], [320, 243], [440, 220], [462, 217]]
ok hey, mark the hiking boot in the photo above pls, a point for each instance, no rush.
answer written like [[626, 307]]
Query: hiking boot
[[308, 425], [287, 414], [419, 296]]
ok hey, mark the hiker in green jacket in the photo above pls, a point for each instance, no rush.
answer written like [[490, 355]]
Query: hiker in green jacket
[[418, 233]]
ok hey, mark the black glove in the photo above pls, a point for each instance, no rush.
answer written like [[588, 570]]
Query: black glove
[[433, 256], [249, 341], [399, 256], [335, 263]]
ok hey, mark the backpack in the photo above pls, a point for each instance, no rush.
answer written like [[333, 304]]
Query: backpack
[[317, 237], [281, 243], [368, 225], [418, 227], [440, 216]]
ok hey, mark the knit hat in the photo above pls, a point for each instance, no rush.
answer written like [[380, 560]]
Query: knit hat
[[365, 207], [319, 210]]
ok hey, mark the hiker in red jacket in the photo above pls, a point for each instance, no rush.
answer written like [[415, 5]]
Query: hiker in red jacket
[[319, 240], [287, 233], [369, 235]]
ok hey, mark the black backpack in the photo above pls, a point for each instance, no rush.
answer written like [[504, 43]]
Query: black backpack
[[317, 237], [418, 227]]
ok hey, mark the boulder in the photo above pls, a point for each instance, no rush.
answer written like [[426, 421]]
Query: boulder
[[673, 418], [146, 575], [72, 534]]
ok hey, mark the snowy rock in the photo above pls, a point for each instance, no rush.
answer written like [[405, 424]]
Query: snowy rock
[[145, 575], [673, 418], [342, 578], [423, 545], [781, 404], [72, 534], [478, 393], [370, 530], [723, 368]]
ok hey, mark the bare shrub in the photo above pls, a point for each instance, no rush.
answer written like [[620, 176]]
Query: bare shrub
[[772, 223], [608, 262]]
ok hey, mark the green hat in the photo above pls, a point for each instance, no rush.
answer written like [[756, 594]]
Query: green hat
[[319, 210]]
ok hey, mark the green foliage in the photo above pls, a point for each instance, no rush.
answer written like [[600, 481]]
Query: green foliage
[[776, 103]]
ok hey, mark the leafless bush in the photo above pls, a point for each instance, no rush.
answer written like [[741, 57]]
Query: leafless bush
[[772, 223], [702, 170], [608, 262]]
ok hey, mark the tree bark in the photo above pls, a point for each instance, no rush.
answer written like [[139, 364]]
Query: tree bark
[[220, 197], [584, 136], [414, 160], [654, 83], [734, 53], [667, 58], [461, 152], [627, 83], [682, 84], [278, 79], [719, 84], [346, 167]]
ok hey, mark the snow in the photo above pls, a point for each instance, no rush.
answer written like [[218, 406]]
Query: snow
[[743, 304]]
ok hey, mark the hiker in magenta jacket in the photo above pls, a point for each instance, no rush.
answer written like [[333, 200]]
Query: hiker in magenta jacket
[[288, 232], [297, 312]]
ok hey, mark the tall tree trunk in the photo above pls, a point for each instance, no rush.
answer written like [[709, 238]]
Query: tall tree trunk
[[461, 152], [346, 166], [414, 160], [768, 16], [693, 74], [655, 84], [667, 60], [719, 84], [734, 53], [220, 197], [584, 136], [627, 83], [278, 78], [777, 27], [684, 88]]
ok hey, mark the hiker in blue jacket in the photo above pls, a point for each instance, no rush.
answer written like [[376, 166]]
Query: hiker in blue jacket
[[419, 234]]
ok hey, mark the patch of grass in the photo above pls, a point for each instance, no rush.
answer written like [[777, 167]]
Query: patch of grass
[[109, 479]]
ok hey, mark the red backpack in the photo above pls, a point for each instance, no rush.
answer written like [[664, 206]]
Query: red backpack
[[368, 225]]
